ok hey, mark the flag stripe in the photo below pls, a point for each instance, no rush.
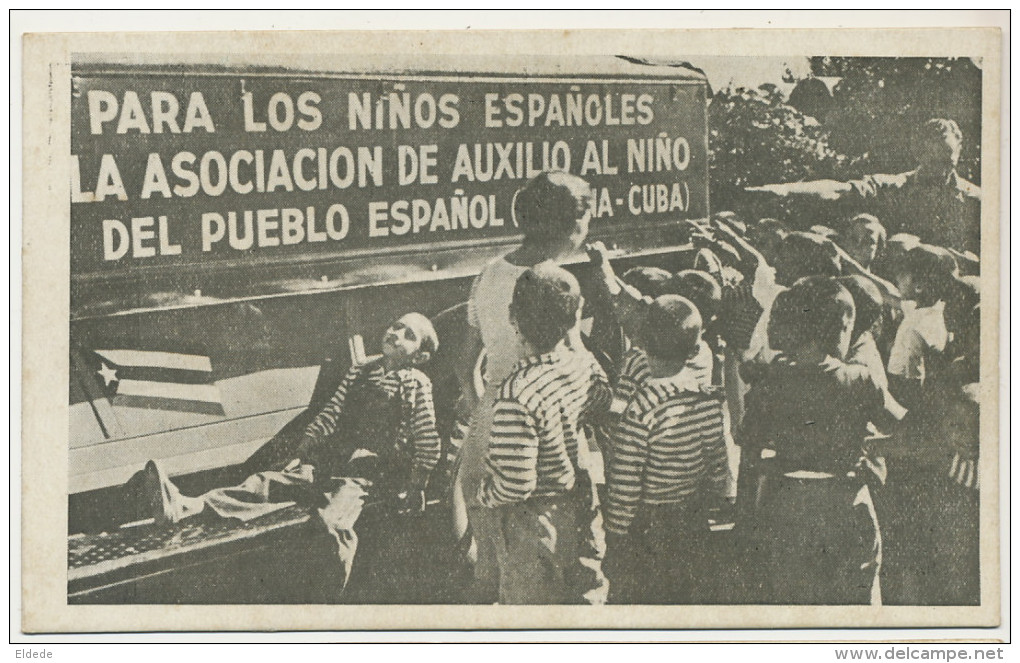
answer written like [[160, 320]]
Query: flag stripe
[[188, 392], [172, 404], [155, 374], [173, 360]]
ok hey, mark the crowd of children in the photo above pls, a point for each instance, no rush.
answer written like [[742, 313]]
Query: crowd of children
[[817, 389]]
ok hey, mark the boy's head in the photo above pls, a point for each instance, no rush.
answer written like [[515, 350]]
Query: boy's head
[[701, 289], [867, 303], [554, 206], [546, 305], [649, 281], [806, 254], [767, 236], [410, 341], [814, 315], [671, 329], [926, 274], [863, 238], [963, 310], [889, 259]]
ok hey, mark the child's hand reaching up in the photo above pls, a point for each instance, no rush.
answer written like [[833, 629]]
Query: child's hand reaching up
[[598, 254]]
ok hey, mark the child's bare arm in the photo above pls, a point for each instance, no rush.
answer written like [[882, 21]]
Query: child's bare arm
[[627, 301]]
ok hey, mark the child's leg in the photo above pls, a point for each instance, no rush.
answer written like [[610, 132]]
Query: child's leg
[[340, 515], [538, 552], [669, 543], [254, 497], [626, 567], [471, 518]]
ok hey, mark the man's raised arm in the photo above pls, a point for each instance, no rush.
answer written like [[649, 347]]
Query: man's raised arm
[[821, 189]]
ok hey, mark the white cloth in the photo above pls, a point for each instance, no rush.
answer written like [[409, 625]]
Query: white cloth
[[489, 313], [923, 330], [765, 290]]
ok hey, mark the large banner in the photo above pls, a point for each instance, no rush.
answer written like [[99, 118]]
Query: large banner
[[172, 169]]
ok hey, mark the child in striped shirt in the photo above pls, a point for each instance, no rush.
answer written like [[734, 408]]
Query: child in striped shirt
[[378, 432], [630, 305], [534, 478], [669, 466]]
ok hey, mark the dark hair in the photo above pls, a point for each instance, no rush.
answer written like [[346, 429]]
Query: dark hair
[[550, 204], [932, 266], [867, 302], [769, 225], [807, 254], [649, 281], [963, 306], [545, 304], [870, 220], [671, 328], [813, 310], [699, 287], [940, 130]]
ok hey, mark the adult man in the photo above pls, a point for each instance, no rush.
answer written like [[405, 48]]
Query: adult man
[[932, 201]]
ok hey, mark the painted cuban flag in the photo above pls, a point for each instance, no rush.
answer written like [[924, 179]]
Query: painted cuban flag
[[158, 380]]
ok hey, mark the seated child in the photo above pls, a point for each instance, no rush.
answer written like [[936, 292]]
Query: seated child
[[378, 432], [804, 489], [668, 468], [534, 480]]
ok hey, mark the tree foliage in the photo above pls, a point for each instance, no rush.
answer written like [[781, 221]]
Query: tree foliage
[[879, 103], [757, 137]]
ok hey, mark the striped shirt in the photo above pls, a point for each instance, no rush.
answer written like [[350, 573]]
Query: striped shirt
[[418, 414], [536, 428], [634, 372], [667, 447]]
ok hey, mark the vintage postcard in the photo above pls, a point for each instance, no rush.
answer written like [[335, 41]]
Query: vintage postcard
[[511, 330]]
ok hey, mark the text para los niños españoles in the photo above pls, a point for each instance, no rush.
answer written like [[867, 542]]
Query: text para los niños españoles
[[342, 190]]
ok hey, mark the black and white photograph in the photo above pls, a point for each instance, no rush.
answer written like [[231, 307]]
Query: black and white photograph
[[413, 327]]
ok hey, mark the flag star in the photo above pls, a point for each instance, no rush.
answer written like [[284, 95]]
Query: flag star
[[108, 373]]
